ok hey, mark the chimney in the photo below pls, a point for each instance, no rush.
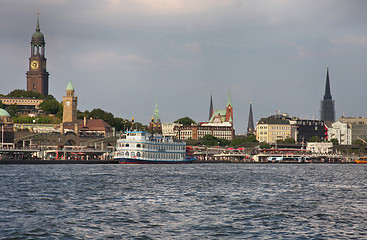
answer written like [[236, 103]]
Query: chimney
[[85, 121]]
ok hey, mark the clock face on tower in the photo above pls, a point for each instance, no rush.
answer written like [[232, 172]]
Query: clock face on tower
[[67, 103], [34, 64]]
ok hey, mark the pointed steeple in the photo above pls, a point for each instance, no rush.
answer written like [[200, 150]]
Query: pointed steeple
[[37, 38], [70, 86], [250, 126], [157, 119], [211, 110], [229, 109], [327, 95], [327, 110], [38, 21], [229, 101]]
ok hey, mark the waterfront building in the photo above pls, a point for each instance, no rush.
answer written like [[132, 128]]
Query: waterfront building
[[37, 75], [281, 127], [327, 110], [305, 129], [196, 132], [340, 131], [319, 147], [358, 126], [6, 129], [95, 128], [250, 124], [273, 128], [24, 105], [168, 129]]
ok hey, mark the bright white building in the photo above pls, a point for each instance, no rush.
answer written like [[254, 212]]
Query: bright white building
[[168, 129], [340, 131], [319, 147]]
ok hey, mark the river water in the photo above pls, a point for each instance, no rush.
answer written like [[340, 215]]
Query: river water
[[194, 201]]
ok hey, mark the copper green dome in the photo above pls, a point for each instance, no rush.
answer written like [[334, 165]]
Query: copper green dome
[[4, 113]]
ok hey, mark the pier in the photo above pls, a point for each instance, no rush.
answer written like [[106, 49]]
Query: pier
[[250, 155]]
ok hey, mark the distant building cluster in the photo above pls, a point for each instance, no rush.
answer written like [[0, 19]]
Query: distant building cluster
[[219, 124], [282, 127], [276, 128]]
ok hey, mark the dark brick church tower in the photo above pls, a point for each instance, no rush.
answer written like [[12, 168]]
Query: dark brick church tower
[[37, 76]]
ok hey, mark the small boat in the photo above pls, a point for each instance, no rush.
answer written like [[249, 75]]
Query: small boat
[[142, 147], [362, 160]]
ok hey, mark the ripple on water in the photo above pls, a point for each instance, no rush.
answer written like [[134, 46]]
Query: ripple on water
[[197, 201]]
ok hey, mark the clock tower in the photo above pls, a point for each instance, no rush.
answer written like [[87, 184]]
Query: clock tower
[[37, 76], [70, 103]]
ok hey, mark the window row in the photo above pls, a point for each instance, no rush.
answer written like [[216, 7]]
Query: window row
[[154, 155], [20, 101], [152, 146]]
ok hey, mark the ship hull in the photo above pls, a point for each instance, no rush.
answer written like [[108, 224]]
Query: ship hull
[[143, 161]]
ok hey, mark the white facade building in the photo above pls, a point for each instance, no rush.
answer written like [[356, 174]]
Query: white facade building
[[319, 147], [340, 131], [168, 129]]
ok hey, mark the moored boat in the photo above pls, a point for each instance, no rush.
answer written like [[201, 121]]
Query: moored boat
[[141, 147], [362, 160]]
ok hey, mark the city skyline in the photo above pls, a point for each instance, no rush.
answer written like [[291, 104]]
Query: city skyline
[[120, 55]]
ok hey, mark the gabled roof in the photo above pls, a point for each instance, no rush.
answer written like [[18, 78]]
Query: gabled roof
[[221, 113], [92, 125]]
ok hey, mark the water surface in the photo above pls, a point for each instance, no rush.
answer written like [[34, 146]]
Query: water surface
[[195, 201]]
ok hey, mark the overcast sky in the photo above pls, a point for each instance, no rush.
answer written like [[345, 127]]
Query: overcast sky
[[125, 55]]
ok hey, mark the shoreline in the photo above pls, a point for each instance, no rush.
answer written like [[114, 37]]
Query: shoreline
[[40, 161]]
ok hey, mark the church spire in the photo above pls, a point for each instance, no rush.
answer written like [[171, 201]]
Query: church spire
[[157, 119], [38, 21], [229, 101], [327, 110], [327, 95], [250, 126], [211, 110], [229, 109]]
